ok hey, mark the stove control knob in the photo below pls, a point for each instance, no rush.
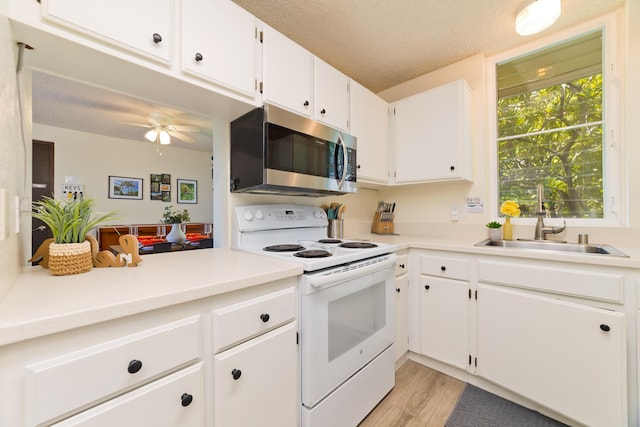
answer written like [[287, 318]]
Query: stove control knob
[[259, 215], [248, 216]]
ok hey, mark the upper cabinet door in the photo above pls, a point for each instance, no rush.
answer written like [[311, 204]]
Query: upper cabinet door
[[141, 26], [287, 73], [369, 120], [433, 135], [219, 41], [331, 95]]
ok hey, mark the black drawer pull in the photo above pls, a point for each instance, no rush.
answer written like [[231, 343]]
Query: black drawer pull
[[236, 373], [443, 268], [306, 103], [605, 328], [199, 57], [157, 38], [323, 111], [134, 366], [401, 265], [398, 290], [265, 317], [186, 399], [426, 287]]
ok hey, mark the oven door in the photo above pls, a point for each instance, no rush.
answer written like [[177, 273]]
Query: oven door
[[344, 324]]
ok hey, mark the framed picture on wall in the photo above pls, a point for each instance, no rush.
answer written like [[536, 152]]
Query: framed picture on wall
[[156, 181], [187, 191], [121, 187]]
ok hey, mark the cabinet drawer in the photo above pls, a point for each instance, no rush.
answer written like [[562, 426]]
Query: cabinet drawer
[[402, 264], [585, 283], [239, 322], [449, 267], [174, 401], [63, 384]]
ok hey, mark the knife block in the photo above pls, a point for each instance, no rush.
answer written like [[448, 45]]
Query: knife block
[[380, 226]]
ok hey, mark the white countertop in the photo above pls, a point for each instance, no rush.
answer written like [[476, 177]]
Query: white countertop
[[41, 303]]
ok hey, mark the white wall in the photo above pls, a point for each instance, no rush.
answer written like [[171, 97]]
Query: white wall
[[92, 158], [12, 174]]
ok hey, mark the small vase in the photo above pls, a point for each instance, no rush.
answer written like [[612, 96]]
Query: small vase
[[495, 234], [70, 258], [176, 235], [507, 229]]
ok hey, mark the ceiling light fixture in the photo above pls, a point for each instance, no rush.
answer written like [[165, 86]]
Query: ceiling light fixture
[[537, 16], [164, 137], [151, 135]]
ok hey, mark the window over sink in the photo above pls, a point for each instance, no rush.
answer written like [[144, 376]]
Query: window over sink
[[556, 125]]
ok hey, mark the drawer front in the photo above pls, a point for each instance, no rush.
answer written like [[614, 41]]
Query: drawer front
[[402, 264], [239, 322], [58, 386], [567, 281], [173, 401], [449, 267]]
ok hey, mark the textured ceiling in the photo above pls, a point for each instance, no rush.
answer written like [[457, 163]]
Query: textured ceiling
[[379, 43]]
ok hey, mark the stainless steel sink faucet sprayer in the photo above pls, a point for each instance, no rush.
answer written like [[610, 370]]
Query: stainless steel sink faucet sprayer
[[542, 230]]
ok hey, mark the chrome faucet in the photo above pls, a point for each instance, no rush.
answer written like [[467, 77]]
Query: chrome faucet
[[541, 229]]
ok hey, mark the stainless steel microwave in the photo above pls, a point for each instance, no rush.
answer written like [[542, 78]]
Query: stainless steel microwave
[[274, 151]]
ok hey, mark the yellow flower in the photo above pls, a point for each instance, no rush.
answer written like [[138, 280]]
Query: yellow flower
[[510, 208]]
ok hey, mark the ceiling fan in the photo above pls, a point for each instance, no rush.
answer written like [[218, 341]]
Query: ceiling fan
[[161, 129]]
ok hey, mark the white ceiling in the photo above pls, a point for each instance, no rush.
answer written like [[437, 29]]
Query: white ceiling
[[379, 43]]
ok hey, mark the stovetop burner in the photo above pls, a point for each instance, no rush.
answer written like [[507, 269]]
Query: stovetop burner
[[283, 248], [329, 241], [313, 253], [358, 245]]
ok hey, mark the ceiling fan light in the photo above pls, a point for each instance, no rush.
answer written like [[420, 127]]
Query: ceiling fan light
[[151, 135], [537, 16], [164, 137]]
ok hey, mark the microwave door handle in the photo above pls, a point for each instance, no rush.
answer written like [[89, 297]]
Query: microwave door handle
[[344, 161]]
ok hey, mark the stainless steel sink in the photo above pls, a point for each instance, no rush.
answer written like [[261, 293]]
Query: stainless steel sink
[[550, 245]]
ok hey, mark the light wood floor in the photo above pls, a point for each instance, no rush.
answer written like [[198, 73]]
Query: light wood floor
[[421, 397]]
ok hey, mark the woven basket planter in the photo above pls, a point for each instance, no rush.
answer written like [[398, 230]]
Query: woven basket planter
[[70, 258]]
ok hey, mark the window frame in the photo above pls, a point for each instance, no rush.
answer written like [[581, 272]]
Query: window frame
[[613, 171]]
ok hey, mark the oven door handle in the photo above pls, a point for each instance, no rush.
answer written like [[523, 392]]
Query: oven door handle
[[320, 281]]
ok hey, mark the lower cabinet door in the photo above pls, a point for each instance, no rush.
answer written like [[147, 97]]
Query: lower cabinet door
[[568, 357], [173, 401], [255, 383]]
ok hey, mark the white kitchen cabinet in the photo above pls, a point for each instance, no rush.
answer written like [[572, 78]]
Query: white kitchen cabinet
[[256, 361], [331, 95], [369, 123], [444, 320], [566, 356], [219, 42], [287, 73], [174, 401], [255, 383], [432, 135], [144, 27], [402, 306]]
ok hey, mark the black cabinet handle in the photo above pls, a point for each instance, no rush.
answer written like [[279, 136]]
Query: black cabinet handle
[[443, 268], [605, 328], [358, 167], [426, 287], [236, 373], [452, 168], [186, 399], [134, 366], [401, 265], [264, 317], [323, 111], [306, 103], [398, 290], [157, 38], [199, 57]]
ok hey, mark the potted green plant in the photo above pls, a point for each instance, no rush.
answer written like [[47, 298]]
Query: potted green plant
[[494, 230], [175, 218], [70, 221]]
